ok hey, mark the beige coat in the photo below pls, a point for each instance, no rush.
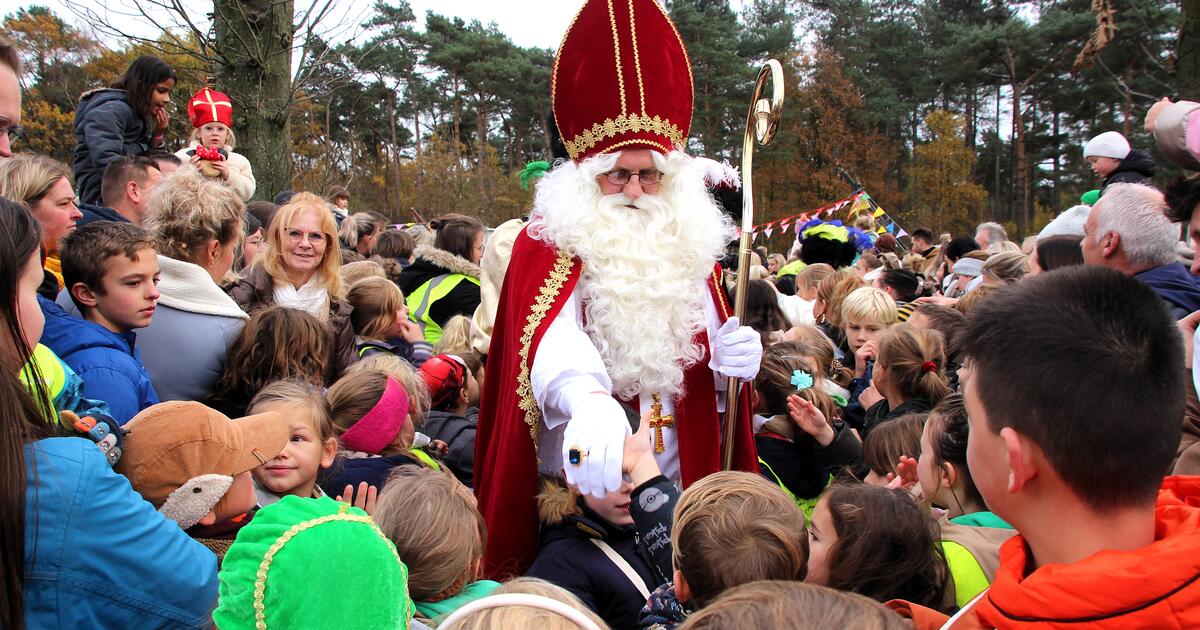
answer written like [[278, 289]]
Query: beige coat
[[241, 177]]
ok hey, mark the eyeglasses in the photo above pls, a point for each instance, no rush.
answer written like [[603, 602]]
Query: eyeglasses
[[646, 177], [14, 132], [295, 236]]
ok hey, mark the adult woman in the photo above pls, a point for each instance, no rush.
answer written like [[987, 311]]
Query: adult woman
[[358, 232], [300, 268], [126, 118], [197, 226], [1053, 252], [43, 186], [443, 281], [68, 519]]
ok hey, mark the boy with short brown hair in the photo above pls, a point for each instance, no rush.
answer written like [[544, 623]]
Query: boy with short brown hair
[[110, 271]]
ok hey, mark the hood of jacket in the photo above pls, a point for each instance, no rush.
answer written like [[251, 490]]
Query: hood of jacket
[[95, 98], [1175, 284], [1155, 586], [430, 262], [68, 335], [1138, 162]]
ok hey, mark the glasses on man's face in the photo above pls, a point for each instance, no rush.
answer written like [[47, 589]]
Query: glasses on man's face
[[295, 236], [14, 132], [646, 177]]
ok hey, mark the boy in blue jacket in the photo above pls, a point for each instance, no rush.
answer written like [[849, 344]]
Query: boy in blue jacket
[[110, 271]]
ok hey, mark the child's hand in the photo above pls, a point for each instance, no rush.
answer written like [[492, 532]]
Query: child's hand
[[222, 167], [365, 500], [810, 420], [441, 447], [905, 477], [638, 461], [869, 397], [411, 332], [160, 120], [864, 354]]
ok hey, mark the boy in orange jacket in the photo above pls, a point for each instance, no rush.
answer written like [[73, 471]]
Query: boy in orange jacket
[[1075, 390]]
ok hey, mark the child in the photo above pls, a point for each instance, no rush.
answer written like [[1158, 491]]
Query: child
[[866, 313], [827, 309], [799, 307], [876, 542], [312, 563], [277, 343], [1116, 162], [438, 533], [971, 535], [375, 426], [193, 463], [111, 272], [210, 147], [381, 322], [799, 461], [890, 443], [456, 336], [763, 313], [453, 384], [907, 375], [781, 604], [525, 602], [1103, 538], [359, 270], [834, 377], [311, 443]]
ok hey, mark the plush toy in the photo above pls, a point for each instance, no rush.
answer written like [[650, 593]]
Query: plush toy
[[207, 156], [101, 429]]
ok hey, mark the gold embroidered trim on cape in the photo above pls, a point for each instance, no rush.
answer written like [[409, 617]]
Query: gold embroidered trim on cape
[[720, 289], [260, 581], [624, 123], [541, 305]]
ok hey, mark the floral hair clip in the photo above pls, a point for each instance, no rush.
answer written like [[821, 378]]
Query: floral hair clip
[[801, 380]]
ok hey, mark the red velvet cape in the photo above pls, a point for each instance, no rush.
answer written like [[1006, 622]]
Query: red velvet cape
[[537, 284]]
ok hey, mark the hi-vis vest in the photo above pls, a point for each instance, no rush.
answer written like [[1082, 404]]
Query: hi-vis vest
[[46, 367], [420, 301]]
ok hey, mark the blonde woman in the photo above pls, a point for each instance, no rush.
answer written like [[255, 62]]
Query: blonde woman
[[197, 224], [45, 188], [301, 268]]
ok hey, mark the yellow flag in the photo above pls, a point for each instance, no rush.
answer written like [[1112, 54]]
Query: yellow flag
[[878, 212], [862, 202], [881, 230]]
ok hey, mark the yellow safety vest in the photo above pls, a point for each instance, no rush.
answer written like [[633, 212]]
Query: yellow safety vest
[[45, 366], [419, 302]]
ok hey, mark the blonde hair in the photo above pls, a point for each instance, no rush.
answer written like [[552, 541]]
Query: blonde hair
[[307, 395], [811, 276], [517, 616], [456, 336], [230, 138], [816, 345], [188, 211], [359, 270], [1006, 267], [868, 305], [401, 370], [272, 257], [437, 530], [833, 291], [904, 352], [791, 604], [974, 297], [26, 178], [357, 226], [376, 302], [735, 527]]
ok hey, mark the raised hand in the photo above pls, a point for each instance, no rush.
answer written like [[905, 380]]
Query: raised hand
[[810, 420], [363, 500]]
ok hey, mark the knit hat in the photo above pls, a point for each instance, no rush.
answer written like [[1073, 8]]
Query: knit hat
[[970, 267], [1069, 222], [1109, 144], [182, 456], [1090, 197], [444, 375], [312, 563], [209, 105], [379, 427]]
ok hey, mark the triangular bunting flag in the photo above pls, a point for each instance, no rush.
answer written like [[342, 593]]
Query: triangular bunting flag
[[878, 212], [881, 230], [768, 231], [902, 233], [891, 227]]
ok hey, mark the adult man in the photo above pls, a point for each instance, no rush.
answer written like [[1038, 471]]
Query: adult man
[[618, 310], [989, 235], [10, 97], [125, 191], [1127, 230]]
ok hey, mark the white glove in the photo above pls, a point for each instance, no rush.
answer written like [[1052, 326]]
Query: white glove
[[737, 350], [598, 429]]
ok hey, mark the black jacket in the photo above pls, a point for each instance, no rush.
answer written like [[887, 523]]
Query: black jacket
[[458, 433], [880, 413], [803, 466], [1137, 168], [570, 559], [350, 471], [106, 128], [430, 262]]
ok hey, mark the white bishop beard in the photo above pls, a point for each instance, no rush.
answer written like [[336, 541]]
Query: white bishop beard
[[645, 268]]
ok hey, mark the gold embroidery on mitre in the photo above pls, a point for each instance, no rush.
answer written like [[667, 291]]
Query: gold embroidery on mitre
[[612, 19], [662, 148], [637, 63], [624, 123], [541, 305]]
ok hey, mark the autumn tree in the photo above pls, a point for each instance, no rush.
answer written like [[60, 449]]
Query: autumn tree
[[943, 193]]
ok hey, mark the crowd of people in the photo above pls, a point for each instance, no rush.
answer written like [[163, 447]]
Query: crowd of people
[[233, 413]]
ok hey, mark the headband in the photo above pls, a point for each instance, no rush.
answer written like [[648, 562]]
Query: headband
[[520, 599], [379, 427]]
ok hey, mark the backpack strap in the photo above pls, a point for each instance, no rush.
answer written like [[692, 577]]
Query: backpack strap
[[624, 567]]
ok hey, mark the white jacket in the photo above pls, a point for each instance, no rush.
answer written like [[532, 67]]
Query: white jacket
[[241, 177]]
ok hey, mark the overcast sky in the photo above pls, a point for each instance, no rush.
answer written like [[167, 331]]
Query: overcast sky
[[527, 23]]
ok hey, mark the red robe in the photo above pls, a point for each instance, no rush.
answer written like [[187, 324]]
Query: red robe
[[538, 283]]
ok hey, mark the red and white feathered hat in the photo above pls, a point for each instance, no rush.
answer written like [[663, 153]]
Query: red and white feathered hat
[[622, 79], [209, 105]]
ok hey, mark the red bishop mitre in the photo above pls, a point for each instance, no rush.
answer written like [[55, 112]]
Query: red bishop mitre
[[209, 105], [622, 79]]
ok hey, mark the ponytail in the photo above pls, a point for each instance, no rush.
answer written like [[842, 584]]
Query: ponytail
[[914, 359]]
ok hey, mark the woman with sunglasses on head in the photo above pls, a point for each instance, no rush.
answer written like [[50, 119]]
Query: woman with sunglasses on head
[[300, 268], [443, 281]]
